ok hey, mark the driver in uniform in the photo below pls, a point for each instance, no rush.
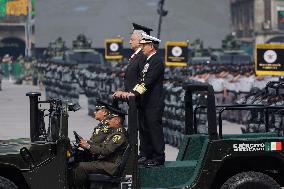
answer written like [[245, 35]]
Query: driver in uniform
[[100, 131], [109, 152], [101, 114]]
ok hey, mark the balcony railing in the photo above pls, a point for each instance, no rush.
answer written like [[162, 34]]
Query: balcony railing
[[13, 19]]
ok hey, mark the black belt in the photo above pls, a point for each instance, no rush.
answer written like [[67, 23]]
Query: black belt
[[229, 91], [244, 92], [218, 92]]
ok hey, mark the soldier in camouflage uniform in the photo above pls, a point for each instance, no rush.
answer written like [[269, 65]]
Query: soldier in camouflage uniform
[[28, 70], [109, 151], [101, 114]]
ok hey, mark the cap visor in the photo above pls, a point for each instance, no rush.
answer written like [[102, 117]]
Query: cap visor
[[144, 42]]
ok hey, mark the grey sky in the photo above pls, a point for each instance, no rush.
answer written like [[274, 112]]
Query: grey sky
[[101, 19]]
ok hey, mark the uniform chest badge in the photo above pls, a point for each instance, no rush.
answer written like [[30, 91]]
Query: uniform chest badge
[[145, 69], [104, 129]]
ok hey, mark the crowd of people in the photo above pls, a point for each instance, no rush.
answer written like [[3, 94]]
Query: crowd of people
[[231, 84], [19, 69]]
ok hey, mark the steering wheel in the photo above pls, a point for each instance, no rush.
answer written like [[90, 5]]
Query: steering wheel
[[80, 154], [77, 138]]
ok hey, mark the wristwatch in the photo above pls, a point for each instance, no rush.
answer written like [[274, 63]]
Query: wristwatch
[[88, 147]]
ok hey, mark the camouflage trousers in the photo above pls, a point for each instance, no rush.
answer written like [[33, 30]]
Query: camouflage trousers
[[82, 171]]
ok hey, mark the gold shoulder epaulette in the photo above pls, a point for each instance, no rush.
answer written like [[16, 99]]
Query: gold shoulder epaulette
[[140, 88]]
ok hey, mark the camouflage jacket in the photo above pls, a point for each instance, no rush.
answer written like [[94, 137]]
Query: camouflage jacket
[[110, 151], [100, 132]]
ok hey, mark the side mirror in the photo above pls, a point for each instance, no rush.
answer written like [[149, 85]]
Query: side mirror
[[27, 157]]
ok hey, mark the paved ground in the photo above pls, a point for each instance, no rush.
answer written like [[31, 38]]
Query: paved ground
[[14, 116]]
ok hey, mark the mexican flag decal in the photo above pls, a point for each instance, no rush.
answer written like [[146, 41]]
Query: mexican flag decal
[[273, 146]]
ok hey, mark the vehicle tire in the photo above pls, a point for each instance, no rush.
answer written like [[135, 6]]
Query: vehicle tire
[[6, 184], [250, 180]]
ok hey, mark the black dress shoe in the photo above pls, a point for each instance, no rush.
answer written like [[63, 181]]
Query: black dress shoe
[[142, 160], [153, 163], [140, 156]]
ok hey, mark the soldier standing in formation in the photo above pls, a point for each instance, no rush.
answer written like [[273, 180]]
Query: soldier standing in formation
[[246, 81], [218, 84], [7, 66], [231, 84], [150, 91], [108, 152]]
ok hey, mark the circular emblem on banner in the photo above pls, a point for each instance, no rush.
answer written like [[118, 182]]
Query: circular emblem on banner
[[176, 51], [270, 56], [114, 47]]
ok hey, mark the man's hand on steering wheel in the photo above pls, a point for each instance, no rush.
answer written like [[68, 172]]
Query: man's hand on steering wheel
[[84, 144]]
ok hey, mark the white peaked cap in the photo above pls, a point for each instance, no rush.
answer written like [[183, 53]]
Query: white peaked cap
[[149, 39]]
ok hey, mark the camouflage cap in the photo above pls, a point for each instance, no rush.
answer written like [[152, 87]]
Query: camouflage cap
[[116, 112]]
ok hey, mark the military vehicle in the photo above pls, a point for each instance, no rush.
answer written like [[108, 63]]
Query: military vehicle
[[213, 160], [200, 60], [217, 160], [38, 162], [231, 57], [82, 54], [56, 48], [80, 58], [48, 158]]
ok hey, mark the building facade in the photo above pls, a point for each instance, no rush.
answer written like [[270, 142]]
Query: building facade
[[17, 27], [258, 21]]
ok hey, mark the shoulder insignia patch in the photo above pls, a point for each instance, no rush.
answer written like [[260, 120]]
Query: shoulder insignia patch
[[116, 138]]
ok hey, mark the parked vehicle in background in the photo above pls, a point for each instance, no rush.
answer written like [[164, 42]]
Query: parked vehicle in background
[[200, 60], [231, 57]]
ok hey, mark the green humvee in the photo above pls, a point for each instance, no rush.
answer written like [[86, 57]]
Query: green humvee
[[212, 160], [216, 160], [38, 162], [47, 159]]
